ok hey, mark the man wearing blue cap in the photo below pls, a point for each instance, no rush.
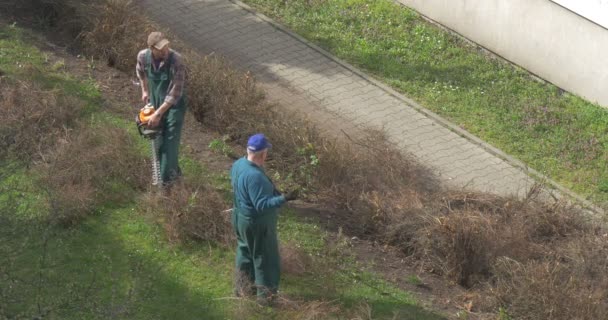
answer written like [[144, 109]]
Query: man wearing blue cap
[[254, 219]]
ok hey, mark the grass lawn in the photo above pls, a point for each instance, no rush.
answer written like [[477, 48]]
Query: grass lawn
[[560, 135], [116, 263]]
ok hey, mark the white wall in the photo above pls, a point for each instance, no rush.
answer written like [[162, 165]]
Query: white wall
[[594, 10], [539, 35]]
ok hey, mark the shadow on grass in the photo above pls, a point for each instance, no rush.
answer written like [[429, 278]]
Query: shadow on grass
[[111, 266]]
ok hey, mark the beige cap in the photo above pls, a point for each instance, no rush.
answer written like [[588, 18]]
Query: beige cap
[[157, 40]]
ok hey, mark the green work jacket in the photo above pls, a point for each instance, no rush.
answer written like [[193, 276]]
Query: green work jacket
[[254, 193]]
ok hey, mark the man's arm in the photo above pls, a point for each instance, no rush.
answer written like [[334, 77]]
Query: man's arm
[[176, 87], [140, 70], [261, 192]]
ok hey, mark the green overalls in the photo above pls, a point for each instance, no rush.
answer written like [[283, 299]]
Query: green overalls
[[173, 119], [254, 219]]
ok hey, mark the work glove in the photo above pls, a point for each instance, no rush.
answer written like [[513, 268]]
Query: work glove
[[292, 195]]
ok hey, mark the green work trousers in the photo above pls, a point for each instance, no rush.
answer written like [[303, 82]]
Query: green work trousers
[[257, 252], [168, 152]]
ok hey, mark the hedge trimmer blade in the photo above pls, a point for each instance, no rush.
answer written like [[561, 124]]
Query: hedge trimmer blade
[[155, 144], [155, 140]]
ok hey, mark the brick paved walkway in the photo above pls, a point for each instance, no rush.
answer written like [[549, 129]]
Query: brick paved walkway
[[304, 77]]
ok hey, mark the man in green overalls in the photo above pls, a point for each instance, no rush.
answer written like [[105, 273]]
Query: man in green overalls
[[162, 78], [254, 219]]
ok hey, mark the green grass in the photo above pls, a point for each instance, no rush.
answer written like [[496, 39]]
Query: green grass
[[414, 280], [117, 263], [560, 135], [221, 147]]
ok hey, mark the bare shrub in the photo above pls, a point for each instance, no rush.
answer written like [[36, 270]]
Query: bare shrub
[[370, 164], [363, 312], [555, 287], [223, 98], [290, 308], [96, 166], [115, 33], [461, 235], [462, 245], [33, 119], [538, 261], [548, 223], [308, 310], [293, 259], [192, 211]]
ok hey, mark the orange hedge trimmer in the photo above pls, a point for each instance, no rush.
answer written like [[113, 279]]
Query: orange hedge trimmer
[[154, 134]]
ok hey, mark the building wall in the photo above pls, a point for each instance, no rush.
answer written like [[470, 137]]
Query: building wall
[[549, 40]]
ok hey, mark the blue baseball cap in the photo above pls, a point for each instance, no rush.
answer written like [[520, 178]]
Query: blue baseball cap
[[258, 142]]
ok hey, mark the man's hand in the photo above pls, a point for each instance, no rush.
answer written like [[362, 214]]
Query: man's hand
[[292, 195], [144, 96], [154, 120]]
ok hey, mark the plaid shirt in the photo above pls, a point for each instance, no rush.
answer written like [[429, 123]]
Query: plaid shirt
[[178, 72]]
